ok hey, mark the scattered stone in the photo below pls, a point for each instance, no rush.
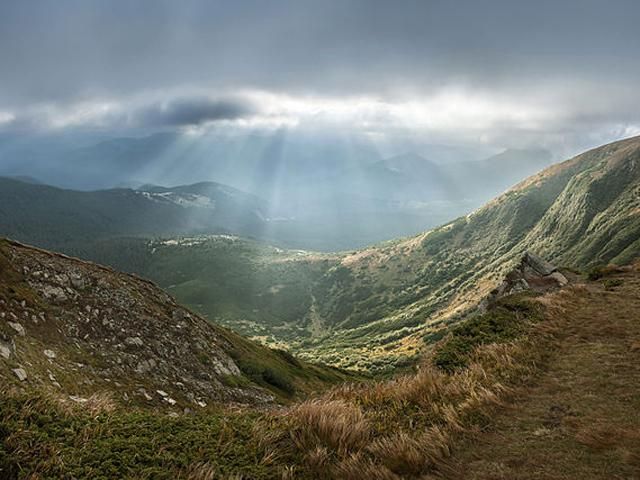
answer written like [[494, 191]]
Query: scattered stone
[[560, 278], [146, 395], [541, 432], [162, 393], [50, 354], [5, 350], [18, 328], [77, 399], [78, 282], [54, 293], [54, 381], [146, 365], [20, 374], [201, 404], [134, 341], [170, 400]]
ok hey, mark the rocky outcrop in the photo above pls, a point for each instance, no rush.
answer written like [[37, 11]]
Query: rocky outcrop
[[80, 328], [532, 273]]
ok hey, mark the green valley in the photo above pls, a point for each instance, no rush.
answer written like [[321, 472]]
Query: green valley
[[378, 308]]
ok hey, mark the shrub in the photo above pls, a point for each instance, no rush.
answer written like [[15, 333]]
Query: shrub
[[505, 321], [611, 283], [278, 380], [601, 271], [288, 357]]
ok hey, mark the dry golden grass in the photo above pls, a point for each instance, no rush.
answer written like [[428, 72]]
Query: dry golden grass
[[407, 427], [202, 471], [599, 436], [333, 424], [359, 467], [578, 416]]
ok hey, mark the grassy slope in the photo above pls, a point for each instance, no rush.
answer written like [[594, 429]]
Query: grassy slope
[[373, 308], [580, 419]]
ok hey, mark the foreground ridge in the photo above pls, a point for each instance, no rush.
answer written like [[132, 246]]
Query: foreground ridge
[[580, 418]]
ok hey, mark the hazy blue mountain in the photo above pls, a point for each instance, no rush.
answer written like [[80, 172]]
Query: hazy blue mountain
[[54, 217], [320, 191]]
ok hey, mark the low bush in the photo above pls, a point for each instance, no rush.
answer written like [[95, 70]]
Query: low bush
[[612, 283], [505, 321], [601, 271]]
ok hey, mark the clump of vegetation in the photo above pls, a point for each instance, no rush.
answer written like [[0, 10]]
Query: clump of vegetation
[[278, 370], [43, 437], [612, 283], [601, 271], [503, 322]]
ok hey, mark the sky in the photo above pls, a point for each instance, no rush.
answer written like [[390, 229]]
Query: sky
[[502, 73]]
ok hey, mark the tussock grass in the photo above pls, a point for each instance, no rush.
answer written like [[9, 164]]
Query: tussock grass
[[333, 424], [407, 427]]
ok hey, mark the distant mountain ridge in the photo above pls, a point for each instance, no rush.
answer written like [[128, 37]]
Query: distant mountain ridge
[[53, 217], [326, 191]]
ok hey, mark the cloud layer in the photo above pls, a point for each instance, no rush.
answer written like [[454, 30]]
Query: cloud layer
[[546, 71]]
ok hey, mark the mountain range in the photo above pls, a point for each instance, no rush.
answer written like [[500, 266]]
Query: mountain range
[[323, 193], [381, 306]]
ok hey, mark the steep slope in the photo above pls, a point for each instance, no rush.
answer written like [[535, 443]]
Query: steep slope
[[73, 327], [580, 212]]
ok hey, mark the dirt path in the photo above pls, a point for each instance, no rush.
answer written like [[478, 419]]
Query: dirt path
[[581, 420]]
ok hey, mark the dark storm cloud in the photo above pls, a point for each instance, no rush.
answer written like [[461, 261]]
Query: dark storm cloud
[[579, 57], [73, 48], [182, 112]]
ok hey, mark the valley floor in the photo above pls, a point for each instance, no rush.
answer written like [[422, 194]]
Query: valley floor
[[581, 419]]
